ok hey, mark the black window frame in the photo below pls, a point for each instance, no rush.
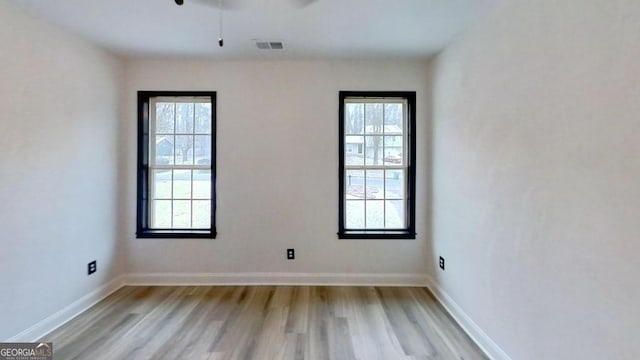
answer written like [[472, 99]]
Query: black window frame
[[142, 224], [380, 234]]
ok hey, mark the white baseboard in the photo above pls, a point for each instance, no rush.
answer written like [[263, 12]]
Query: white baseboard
[[472, 329], [54, 321], [276, 279]]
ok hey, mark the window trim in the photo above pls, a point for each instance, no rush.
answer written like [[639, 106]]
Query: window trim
[[380, 234], [142, 213]]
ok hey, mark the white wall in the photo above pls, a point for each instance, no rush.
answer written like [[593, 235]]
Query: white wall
[[536, 168], [58, 169], [277, 168]]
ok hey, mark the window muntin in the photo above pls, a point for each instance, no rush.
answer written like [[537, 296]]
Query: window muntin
[[376, 165], [177, 164]]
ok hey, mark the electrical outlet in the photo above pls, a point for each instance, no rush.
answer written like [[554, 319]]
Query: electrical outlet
[[92, 267], [291, 254], [442, 263]]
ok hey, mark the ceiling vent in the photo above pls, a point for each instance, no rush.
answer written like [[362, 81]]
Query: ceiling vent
[[269, 45]]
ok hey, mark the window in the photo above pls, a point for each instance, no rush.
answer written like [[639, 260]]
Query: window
[[176, 164], [377, 165]]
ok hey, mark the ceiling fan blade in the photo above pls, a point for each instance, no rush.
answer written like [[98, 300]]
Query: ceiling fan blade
[[241, 4], [302, 3], [226, 4]]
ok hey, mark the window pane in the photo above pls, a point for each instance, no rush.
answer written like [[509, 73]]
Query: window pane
[[375, 164], [161, 210], [161, 184], [203, 118], [354, 180], [393, 118], [182, 184], [375, 214], [201, 214], [394, 213], [354, 150], [373, 118], [394, 184], [164, 118], [202, 149], [393, 150], [181, 214], [164, 150], [354, 119], [177, 130], [375, 184], [373, 151], [184, 149], [202, 184], [184, 118], [354, 214]]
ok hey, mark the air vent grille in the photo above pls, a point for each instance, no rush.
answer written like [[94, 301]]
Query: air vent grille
[[269, 45], [263, 45]]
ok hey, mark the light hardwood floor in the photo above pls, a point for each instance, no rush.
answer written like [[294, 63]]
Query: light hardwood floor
[[264, 322]]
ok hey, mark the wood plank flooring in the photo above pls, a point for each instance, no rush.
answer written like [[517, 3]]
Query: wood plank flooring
[[264, 322]]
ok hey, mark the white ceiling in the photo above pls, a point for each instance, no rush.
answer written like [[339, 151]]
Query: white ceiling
[[325, 29]]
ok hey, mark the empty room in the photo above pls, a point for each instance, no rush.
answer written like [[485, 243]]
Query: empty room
[[319, 179]]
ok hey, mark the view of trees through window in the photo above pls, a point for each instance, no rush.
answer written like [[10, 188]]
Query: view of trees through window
[[374, 161], [180, 163]]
